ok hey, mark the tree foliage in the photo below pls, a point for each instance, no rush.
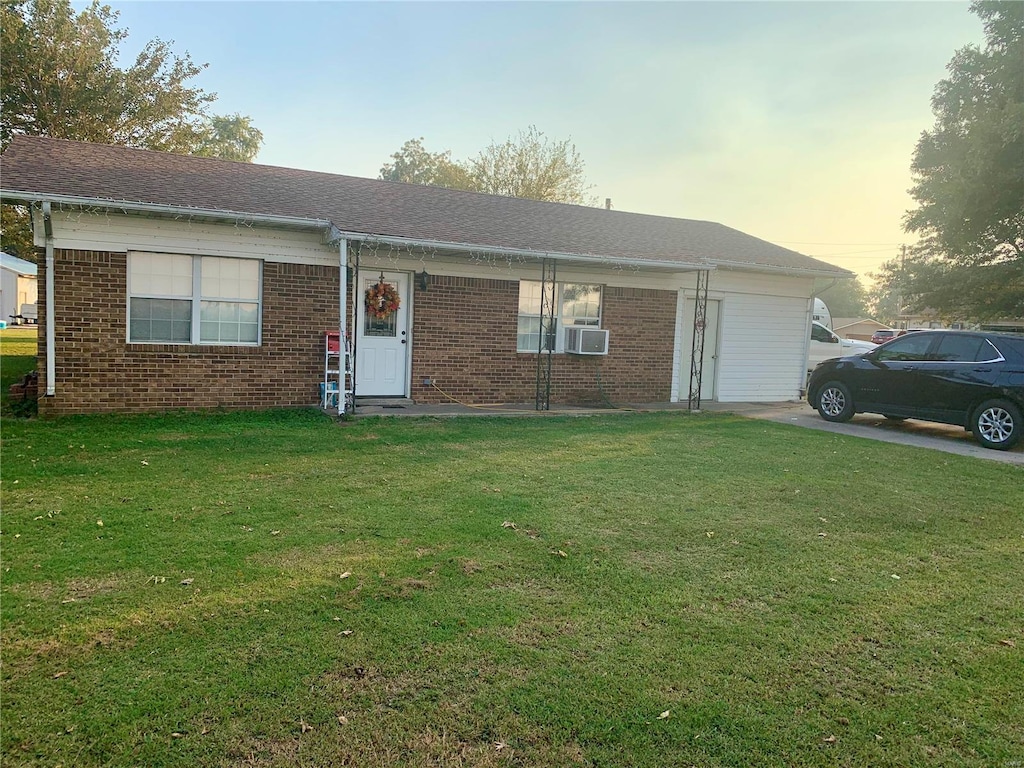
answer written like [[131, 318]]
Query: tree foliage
[[969, 179], [413, 164], [527, 165], [229, 138], [845, 298]]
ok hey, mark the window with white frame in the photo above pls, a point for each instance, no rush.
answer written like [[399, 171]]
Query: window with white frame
[[575, 304], [178, 299]]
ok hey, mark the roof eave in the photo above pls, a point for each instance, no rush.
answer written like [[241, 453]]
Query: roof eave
[[746, 266], [333, 233]]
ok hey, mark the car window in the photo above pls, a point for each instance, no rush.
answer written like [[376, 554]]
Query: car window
[[954, 348], [818, 333], [907, 348]]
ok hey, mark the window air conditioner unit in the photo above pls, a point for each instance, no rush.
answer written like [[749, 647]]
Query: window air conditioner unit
[[581, 340]]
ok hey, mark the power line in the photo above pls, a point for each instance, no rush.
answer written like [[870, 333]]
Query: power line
[[814, 242]]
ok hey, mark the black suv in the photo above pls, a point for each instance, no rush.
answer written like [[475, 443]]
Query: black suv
[[973, 379]]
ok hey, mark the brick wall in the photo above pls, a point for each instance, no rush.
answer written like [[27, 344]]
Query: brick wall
[[464, 337], [97, 370]]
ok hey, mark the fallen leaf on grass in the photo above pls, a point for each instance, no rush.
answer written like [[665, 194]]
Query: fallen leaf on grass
[[823, 534], [830, 740], [345, 575], [665, 715], [1008, 643], [509, 524], [894, 576], [305, 726], [558, 552], [275, 533], [499, 745], [59, 675], [99, 523], [342, 720], [187, 582], [145, 463], [177, 735], [346, 632]]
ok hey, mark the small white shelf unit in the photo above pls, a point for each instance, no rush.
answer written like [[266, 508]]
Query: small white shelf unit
[[337, 373]]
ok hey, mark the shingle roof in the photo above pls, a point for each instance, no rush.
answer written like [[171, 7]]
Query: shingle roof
[[42, 166]]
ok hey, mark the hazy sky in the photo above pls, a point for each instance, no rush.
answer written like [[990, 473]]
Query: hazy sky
[[792, 121]]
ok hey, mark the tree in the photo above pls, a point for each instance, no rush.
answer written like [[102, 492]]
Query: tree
[[534, 167], [229, 138], [886, 297], [845, 298], [413, 164], [16, 232], [528, 165], [60, 78], [968, 175]]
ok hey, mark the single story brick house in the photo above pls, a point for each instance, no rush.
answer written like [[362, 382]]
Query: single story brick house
[[187, 282]]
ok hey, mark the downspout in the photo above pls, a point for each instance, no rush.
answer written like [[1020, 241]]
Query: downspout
[[51, 313], [344, 362]]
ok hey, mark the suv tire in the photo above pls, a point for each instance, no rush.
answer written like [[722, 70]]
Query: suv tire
[[833, 402], [997, 424]]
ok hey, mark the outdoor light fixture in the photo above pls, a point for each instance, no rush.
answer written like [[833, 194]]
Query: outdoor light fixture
[[424, 279]]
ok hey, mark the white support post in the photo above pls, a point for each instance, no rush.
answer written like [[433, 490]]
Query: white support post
[[344, 363]]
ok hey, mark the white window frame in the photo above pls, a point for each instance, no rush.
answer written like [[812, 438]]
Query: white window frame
[[560, 325], [196, 299]]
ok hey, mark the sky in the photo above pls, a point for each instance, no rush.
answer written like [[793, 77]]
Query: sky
[[792, 121]]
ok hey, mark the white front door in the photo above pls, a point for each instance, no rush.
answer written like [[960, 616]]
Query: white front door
[[710, 370], [382, 344]]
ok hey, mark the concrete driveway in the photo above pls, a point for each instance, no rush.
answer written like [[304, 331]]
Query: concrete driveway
[[923, 434]]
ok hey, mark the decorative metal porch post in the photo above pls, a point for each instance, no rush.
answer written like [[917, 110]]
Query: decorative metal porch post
[[546, 345], [700, 318]]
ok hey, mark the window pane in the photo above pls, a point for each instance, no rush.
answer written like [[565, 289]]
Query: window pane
[[228, 322], [959, 349], [160, 274], [907, 348], [230, 278], [581, 301], [160, 320], [529, 297]]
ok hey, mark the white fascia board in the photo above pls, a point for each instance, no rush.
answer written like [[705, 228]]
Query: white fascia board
[[745, 266], [157, 209], [409, 242]]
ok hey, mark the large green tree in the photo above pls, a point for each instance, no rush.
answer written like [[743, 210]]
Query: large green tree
[[59, 77], [527, 165], [968, 175], [413, 164]]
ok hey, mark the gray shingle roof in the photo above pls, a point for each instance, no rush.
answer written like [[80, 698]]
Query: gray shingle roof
[[93, 172]]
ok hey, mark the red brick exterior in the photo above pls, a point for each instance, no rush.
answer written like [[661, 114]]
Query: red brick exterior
[[463, 336], [97, 370], [464, 339]]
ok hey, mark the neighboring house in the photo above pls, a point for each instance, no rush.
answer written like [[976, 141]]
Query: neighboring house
[[17, 290], [188, 282], [860, 328]]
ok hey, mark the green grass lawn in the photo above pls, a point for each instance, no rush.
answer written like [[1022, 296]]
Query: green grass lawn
[[276, 589]]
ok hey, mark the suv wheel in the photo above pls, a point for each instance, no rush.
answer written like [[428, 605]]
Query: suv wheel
[[997, 424], [834, 402]]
